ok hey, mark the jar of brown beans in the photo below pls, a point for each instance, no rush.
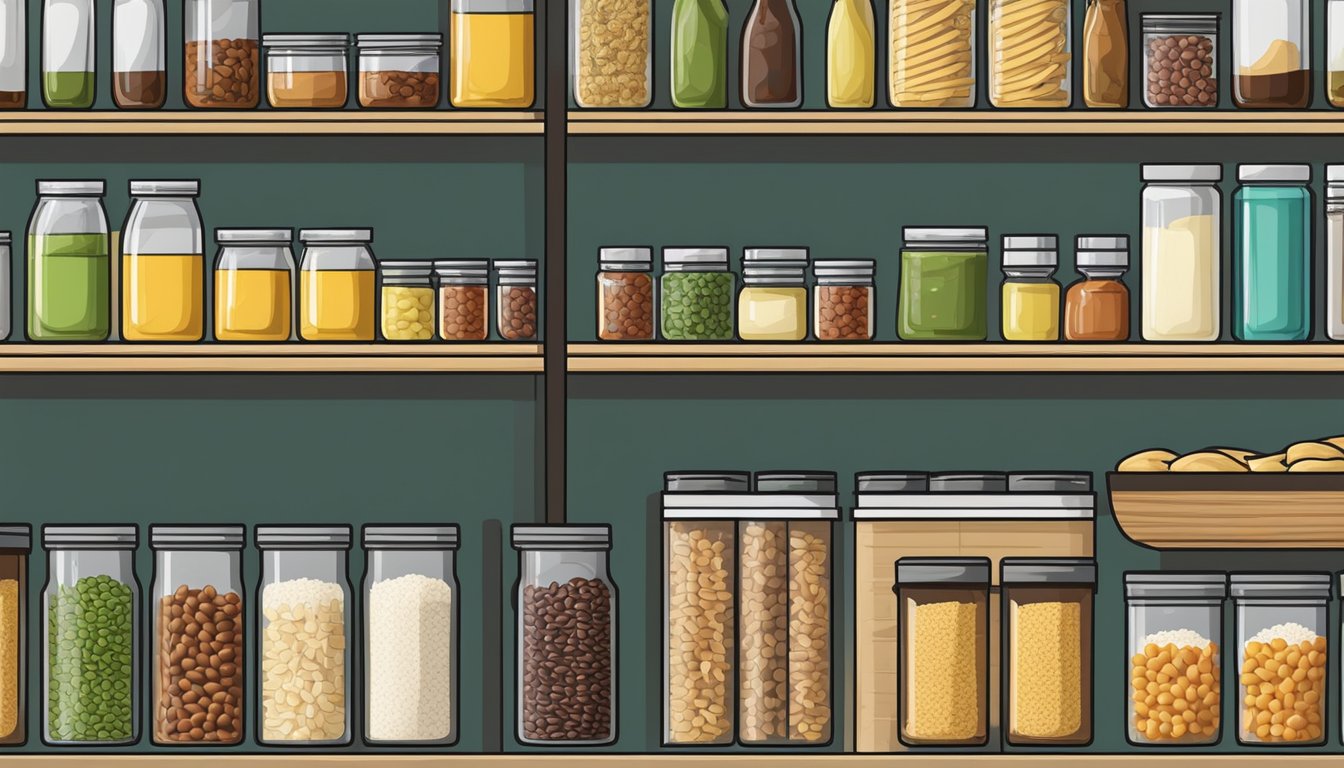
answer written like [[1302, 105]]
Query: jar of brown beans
[[842, 300], [464, 300], [197, 679], [399, 71], [516, 302], [625, 296], [1180, 60]]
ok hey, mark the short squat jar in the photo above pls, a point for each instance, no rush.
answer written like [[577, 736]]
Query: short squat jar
[[772, 305], [696, 293], [407, 300], [336, 295], [516, 302], [254, 285], [307, 71], [625, 296], [16, 542], [943, 276], [399, 71], [464, 300], [1180, 47], [92, 607], [843, 307], [566, 604]]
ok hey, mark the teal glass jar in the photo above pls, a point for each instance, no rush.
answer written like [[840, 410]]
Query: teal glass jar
[[698, 293], [1272, 266], [943, 284]]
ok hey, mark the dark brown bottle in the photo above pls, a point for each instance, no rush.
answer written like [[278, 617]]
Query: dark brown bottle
[[772, 56]]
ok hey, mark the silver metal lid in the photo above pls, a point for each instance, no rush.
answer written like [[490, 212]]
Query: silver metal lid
[[1102, 243], [1334, 174], [336, 235], [768, 257], [516, 267], [562, 537], [208, 537], [90, 536], [399, 42], [254, 235], [968, 482], [1175, 585], [1030, 242], [795, 482], [169, 188], [18, 536], [1102, 252], [854, 272], [410, 536], [1176, 173], [71, 188], [707, 482], [1293, 174], [1180, 23], [892, 482], [303, 536], [1048, 570], [625, 255], [4, 238], [1050, 482], [912, 571], [1287, 586], [953, 236], [406, 270], [708, 256], [317, 41]]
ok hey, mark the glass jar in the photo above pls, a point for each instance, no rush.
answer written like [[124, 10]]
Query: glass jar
[[625, 297], [851, 56], [1047, 614], [305, 614], [1166, 38], [199, 616], [464, 300], [1280, 621], [68, 62], [254, 285], [399, 71], [772, 305], [1181, 252], [492, 55], [5, 280], [566, 604], [843, 306], [407, 300], [13, 54], [139, 77], [411, 609], [1271, 43], [933, 49], [516, 302], [943, 276], [611, 46], [1177, 619], [336, 296], [163, 263], [1106, 55], [699, 54], [222, 68], [1096, 308], [1030, 293], [696, 294], [91, 602], [307, 71], [69, 264], [1272, 214], [772, 61], [944, 665], [1030, 53], [16, 542], [1334, 251], [1334, 62]]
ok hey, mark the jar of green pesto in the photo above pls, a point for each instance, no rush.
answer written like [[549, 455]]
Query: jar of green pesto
[[69, 264], [698, 292], [944, 272]]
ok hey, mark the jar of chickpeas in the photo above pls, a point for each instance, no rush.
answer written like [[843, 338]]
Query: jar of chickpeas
[[1281, 657], [407, 300], [1175, 623]]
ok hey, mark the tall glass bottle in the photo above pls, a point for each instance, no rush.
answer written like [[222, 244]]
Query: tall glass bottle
[[850, 55], [1106, 55], [700, 54], [139, 80], [772, 61], [69, 265], [67, 53]]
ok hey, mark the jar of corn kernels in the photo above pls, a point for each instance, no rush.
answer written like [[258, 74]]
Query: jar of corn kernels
[[407, 300]]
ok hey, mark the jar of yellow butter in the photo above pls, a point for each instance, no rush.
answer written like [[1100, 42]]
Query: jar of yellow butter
[[336, 287], [493, 50], [773, 303]]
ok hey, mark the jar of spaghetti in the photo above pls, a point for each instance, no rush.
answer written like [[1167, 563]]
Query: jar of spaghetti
[[625, 305], [1096, 308], [464, 302]]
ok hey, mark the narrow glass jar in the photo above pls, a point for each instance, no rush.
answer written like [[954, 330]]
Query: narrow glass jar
[[772, 56], [1334, 57], [566, 603], [13, 54], [399, 71], [625, 296], [492, 53], [1181, 252], [68, 62], [69, 264], [254, 285], [851, 55], [516, 316], [611, 49], [163, 263], [1030, 292], [16, 543], [943, 291], [1271, 45], [1272, 215], [1177, 619], [1281, 623], [222, 68], [307, 71], [1096, 308], [1334, 251], [699, 48], [6, 278], [1167, 35], [1030, 53], [411, 648], [407, 299], [139, 76], [92, 606], [304, 613], [464, 300], [198, 612], [843, 301], [772, 305], [933, 53], [696, 294], [336, 295]]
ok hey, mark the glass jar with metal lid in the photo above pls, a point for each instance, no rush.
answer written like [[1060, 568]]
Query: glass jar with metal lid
[[843, 306], [696, 294], [399, 71], [307, 71], [69, 263], [1181, 272], [943, 276], [254, 285], [16, 543], [464, 300], [217, 32], [1180, 47], [516, 302], [1096, 308], [407, 300], [772, 305], [1030, 293], [625, 295], [163, 263], [336, 296]]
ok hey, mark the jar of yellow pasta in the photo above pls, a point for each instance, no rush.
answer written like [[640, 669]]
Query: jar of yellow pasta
[[336, 296], [407, 300], [1030, 53], [932, 47]]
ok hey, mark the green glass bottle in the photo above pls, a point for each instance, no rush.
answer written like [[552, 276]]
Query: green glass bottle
[[700, 54]]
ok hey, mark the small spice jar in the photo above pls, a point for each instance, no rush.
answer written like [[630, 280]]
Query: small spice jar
[[566, 635], [625, 302], [411, 610], [464, 301], [307, 71], [16, 542], [516, 302], [1030, 293], [407, 300], [696, 293], [336, 293], [1096, 308], [198, 615], [772, 305], [1181, 60], [399, 71], [842, 300]]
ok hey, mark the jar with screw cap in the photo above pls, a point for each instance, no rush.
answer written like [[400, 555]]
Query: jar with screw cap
[[407, 300], [842, 301], [464, 300], [772, 305], [16, 543], [516, 303], [163, 263], [696, 293], [69, 263], [1181, 48], [254, 285], [222, 67], [1282, 657], [625, 299], [1096, 308], [1030, 293], [1272, 216], [399, 71], [307, 71], [336, 296], [1182, 212], [943, 276], [140, 79]]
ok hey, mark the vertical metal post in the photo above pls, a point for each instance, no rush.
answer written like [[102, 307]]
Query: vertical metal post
[[556, 335]]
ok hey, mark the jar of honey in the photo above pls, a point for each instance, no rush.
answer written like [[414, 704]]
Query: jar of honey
[[336, 290], [163, 264], [493, 52], [254, 285]]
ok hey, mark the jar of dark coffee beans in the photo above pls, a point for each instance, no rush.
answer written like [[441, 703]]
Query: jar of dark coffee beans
[[1180, 55], [625, 294], [516, 303], [566, 605]]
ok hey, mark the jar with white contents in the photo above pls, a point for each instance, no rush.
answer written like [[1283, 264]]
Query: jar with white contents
[[1181, 252]]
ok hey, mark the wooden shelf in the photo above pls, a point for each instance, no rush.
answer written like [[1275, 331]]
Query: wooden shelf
[[347, 122], [955, 122], [114, 357], [955, 358], [665, 760]]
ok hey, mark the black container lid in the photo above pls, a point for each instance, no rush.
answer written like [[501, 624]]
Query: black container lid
[[1048, 570], [710, 481], [891, 482], [804, 481], [968, 482], [942, 570], [1050, 482]]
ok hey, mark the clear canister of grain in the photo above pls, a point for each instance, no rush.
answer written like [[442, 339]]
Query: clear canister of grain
[[407, 299], [566, 604], [611, 46], [700, 514], [254, 285], [222, 44], [492, 53], [516, 316], [411, 636], [16, 543], [1174, 619], [843, 305], [307, 71], [399, 71], [1181, 275], [464, 299], [1030, 53], [944, 647], [1334, 250], [1271, 45], [198, 613], [696, 295], [336, 295], [304, 613], [943, 291], [163, 263], [1030, 292], [1281, 657], [139, 74], [1180, 47], [1047, 614], [625, 295], [1096, 308], [1272, 253], [933, 50], [772, 305], [92, 606], [69, 263], [13, 54]]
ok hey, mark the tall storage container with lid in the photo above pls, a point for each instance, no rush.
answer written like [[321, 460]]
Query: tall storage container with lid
[[1030, 53], [304, 614], [464, 300], [13, 54], [254, 285], [69, 38], [163, 263], [492, 53], [772, 305], [611, 53], [1272, 218], [91, 604], [1271, 45], [943, 275], [1030, 293], [139, 77], [336, 296], [411, 636], [1334, 247], [16, 543], [626, 302], [1181, 252], [566, 604], [696, 293], [399, 71], [198, 611], [68, 264], [222, 67]]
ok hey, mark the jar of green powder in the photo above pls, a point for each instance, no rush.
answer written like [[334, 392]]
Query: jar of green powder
[[92, 670], [944, 273], [698, 293], [69, 263]]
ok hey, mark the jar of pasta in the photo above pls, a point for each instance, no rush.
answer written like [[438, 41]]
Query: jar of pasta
[[464, 300], [492, 62], [932, 44], [407, 300], [612, 50], [399, 71], [16, 542], [1030, 53], [772, 305], [1282, 650], [306, 71], [254, 285], [163, 263], [336, 296]]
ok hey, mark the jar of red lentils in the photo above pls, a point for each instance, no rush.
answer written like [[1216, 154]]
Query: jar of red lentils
[[625, 298], [464, 301], [842, 300]]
